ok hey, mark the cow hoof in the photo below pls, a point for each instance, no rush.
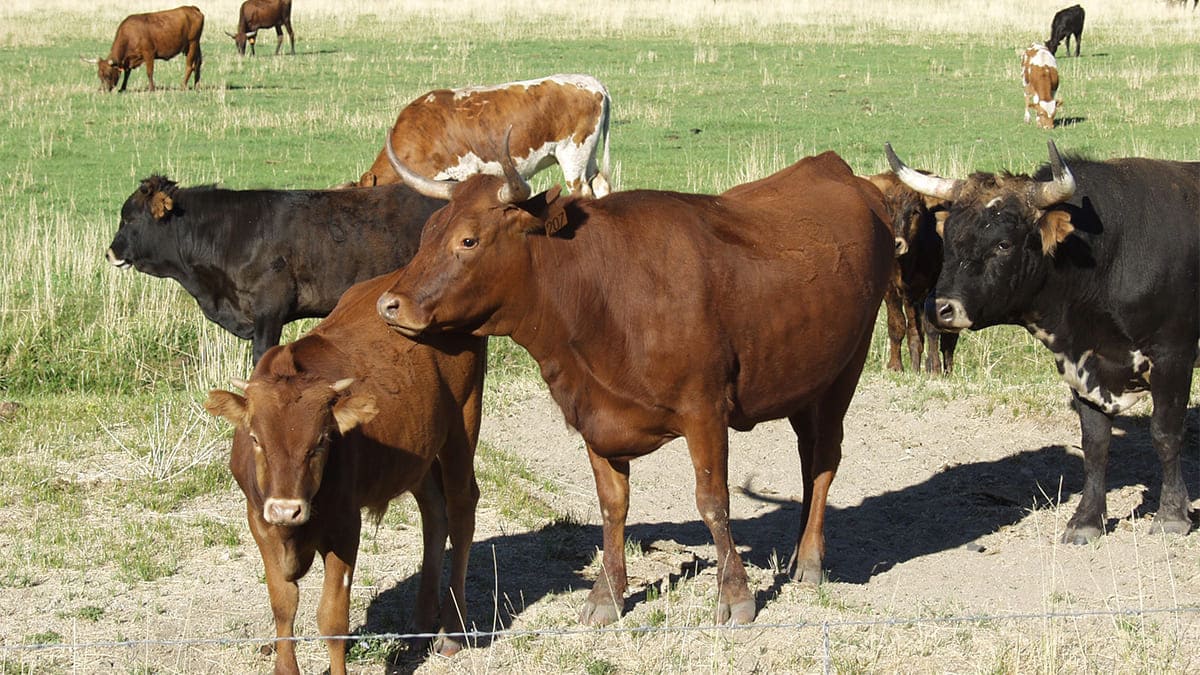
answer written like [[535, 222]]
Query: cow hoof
[[445, 646], [736, 614], [1170, 526], [807, 572], [1081, 535], [598, 615]]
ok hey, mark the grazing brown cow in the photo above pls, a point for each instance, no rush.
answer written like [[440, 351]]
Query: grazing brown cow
[[918, 263], [450, 134], [655, 315], [142, 38], [1039, 77], [256, 14], [345, 418]]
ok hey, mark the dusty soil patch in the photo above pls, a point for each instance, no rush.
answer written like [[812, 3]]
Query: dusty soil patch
[[935, 514]]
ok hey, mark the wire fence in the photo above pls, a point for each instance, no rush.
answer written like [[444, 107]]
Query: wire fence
[[475, 637]]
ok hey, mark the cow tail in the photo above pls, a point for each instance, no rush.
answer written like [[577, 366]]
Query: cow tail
[[606, 110]]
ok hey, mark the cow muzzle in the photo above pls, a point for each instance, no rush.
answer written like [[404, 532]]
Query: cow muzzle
[[947, 314], [402, 314], [286, 512], [115, 261]]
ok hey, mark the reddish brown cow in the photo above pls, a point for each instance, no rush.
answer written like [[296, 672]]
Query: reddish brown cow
[[655, 315], [450, 134], [345, 418], [256, 14], [918, 264], [1039, 77], [142, 38]]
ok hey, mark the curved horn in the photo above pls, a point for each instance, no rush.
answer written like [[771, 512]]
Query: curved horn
[[341, 385], [231, 35], [426, 186], [1060, 189], [239, 383], [515, 188], [89, 61], [926, 184]]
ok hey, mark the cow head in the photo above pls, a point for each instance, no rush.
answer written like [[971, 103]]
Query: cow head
[[472, 251], [108, 70], [999, 239], [241, 39], [913, 214], [291, 419], [142, 233]]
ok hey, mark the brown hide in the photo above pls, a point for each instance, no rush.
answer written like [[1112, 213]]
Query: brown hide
[[256, 14], [433, 132], [346, 418], [1041, 84], [917, 266], [654, 315], [142, 38]]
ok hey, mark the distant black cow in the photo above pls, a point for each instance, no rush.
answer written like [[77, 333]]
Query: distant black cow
[[1066, 22], [257, 259], [1100, 261]]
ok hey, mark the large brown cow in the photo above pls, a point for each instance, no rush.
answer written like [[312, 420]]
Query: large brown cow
[[256, 14], [345, 418], [142, 38], [1039, 78], [450, 134], [654, 315], [918, 264]]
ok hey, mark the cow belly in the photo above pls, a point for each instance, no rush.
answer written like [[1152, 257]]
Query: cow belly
[[1111, 387]]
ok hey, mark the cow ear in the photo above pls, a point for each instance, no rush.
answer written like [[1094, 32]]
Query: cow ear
[[229, 405], [352, 411], [160, 205], [932, 203], [548, 211], [1055, 226], [940, 217]]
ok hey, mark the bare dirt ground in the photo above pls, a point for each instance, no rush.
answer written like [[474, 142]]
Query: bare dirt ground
[[942, 555]]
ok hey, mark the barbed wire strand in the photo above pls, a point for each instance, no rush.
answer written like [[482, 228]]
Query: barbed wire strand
[[474, 636]]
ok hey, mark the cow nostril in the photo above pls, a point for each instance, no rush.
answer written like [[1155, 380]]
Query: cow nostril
[[388, 305], [945, 310]]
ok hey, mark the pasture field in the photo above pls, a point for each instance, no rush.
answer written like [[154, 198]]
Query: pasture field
[[119, 519]]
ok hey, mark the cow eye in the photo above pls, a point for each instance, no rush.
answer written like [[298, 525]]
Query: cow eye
[[1003, 245], [254, 440], [469, 242]]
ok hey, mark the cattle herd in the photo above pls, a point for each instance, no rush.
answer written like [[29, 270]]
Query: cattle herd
[[642, 309]]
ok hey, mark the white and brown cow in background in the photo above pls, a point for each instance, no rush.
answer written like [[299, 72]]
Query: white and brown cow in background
[[450, 134], [1039, 77]]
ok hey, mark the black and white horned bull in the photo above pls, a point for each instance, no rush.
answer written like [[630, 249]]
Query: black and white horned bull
[[1100, 262]]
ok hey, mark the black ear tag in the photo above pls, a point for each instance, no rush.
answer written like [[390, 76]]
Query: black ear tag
[[556, 222]]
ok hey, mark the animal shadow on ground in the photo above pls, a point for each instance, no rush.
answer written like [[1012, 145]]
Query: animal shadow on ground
[[1068, 121], [951, 508]]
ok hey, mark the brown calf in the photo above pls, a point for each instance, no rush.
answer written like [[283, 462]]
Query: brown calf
[[256, 14], [142, 38], [1039, 77], [918, 264], [654, 315], [346, 418]]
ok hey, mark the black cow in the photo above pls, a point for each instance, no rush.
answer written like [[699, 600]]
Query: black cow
[[257, 259], [1066, 22], [1101, 262]]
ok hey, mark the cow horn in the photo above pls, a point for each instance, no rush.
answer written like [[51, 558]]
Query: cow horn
[[430, 188], [1051, 192], [89, 61], [231, 35], [515, 188], [239, 383], [926, 184], [341, 385]]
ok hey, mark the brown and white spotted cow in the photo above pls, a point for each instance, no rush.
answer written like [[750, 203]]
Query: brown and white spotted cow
[[1039, 77], [450, 134]]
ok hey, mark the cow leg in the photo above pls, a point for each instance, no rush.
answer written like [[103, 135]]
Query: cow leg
[[283, 590], [462, 496], [914, 334], [819, 433], [896, 327], [193, 65], [333, 612], [291, 37], [934, 347], [124, 78], [431, 501], [150, 71], [1096, 430], [268, 327], [709, 449], [949, 342], [607, 599], [1169, 387], [278, 39]]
